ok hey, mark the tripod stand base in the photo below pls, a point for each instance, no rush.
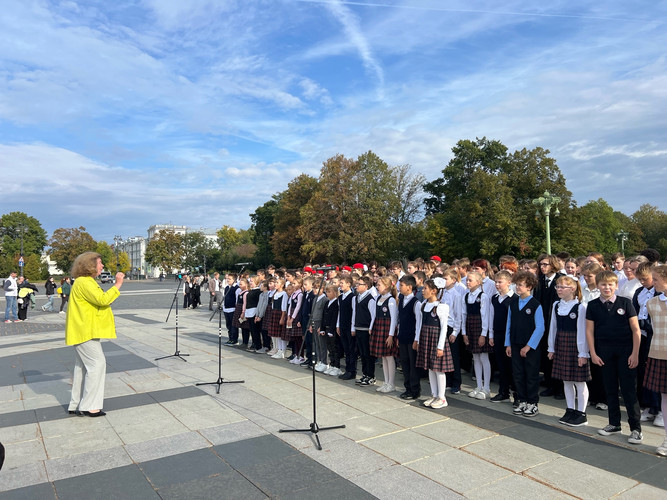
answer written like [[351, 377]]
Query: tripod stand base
[[221, 381], [177, 354], [314, 429]]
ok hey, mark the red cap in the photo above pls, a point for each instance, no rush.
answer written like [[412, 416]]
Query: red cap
[[358, 266], [347, 268], [307, 269], [436, 258], [319, 272]]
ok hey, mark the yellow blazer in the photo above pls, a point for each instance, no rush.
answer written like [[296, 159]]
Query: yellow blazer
[[89, 313]]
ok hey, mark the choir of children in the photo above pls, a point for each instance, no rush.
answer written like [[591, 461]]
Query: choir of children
[[596, 339]]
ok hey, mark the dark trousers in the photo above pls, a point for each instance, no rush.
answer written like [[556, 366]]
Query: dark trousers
[[245, 333], [454, 378], [504, 363], [647, 399], [526, 372], [308, 345], [364, 348], [187, 300], [232, 332], [266, 339], [333, 348], [595, 385], [615, 372], [349, 344], [411, 379], [255, 333]]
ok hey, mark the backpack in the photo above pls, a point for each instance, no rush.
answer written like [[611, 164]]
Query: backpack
[[6, 285]]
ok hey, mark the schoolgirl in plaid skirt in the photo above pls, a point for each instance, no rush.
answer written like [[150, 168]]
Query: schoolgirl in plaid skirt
[[383, 342], [277, 318], [655, 378], [475, 328], [568, 348], [431, 342], [243, 284]]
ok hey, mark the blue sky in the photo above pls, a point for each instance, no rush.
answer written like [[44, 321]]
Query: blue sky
[[119, 115]]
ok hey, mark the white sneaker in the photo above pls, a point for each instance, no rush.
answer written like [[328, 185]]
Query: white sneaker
[[429, 401], [280, 354], [387, 388], [296, 360], [61, 312], [335, 371], [662, 449], [646, 415], [473, 393], [262, 350], [439, 403], [320, 367], [659, 420], [272, 351], [327, 370], [482, 395], [379, 389]]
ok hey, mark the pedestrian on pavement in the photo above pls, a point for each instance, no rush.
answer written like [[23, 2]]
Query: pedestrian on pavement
[[50, 286], [89, 319], [25, 293], [11, 290], [66, 288]]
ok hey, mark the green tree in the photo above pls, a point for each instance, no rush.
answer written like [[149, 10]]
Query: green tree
[[165, 251], [653, 224], [263, 229], [68, 243], [598, 220], [286, 241], [34, 236], [199, 251]]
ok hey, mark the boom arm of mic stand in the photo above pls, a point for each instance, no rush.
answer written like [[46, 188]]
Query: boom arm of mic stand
[[173, 301]]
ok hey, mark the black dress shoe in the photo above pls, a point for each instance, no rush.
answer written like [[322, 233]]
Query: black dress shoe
[[347, 376], [404, 395], [75, 412], [547, 392], [96, 414]]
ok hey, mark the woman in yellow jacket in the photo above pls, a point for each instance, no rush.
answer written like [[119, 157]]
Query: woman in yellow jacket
[[89, 319]]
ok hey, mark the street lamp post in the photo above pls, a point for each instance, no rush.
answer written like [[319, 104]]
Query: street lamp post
[[117, 240], [546, 202], [22, 229], [622, 236]]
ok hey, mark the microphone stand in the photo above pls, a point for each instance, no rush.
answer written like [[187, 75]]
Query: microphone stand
[[177, 353], [220, 380], [314, 427]]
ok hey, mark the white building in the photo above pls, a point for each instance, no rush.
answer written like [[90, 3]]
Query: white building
[[135, 248]]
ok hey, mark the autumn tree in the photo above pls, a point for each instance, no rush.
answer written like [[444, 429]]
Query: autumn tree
[[263, 229], [67, 244], [286, 242], [165, 251]]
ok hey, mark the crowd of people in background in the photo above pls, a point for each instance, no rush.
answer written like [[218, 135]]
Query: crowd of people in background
[[575, 329], [20, 296]]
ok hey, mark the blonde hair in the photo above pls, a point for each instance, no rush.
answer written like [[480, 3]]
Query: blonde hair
[[85, 265], [389, 285], [660, 271], [452, 272], [331, 288], [571, 281]]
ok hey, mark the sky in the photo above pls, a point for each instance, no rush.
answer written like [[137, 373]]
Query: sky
[[119, 115]]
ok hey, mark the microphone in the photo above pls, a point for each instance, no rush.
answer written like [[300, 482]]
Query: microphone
[[328, 268], [244, 263]]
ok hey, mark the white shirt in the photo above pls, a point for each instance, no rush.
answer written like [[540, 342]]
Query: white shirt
[[562, 308], [454, 301], [13, 288], [629, 288], [587, 294], [443, 313], [417, 310]]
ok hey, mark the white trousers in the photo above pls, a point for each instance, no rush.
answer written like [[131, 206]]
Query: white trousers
[[90, 369]]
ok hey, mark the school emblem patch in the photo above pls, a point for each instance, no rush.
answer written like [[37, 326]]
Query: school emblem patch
[[529, 311], [573, 315], [433, 312], [620, 311], [384, 309]]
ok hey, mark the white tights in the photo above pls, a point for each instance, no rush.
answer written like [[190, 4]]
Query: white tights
[[282, 344], [389, 369], [578, 390], [482, 370], [438, 381], [664, 405]]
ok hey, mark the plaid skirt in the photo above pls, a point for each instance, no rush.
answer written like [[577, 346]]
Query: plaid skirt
[[566, 359], [237, 315], [274, 327], [296, 332], [379, 335], [655, 378], [428, 349], [474, 331]]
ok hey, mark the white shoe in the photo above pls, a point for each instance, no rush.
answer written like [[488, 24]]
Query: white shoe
[[482, 395], [336, 371], [387, 388], [473, 393], [262, 350], [320, 367], [429, 401], [646, 415], [380, 389], [61, 312], [327, 370], [659, 420], [439, 403], [272, 351], [280, 354], [662, 449]]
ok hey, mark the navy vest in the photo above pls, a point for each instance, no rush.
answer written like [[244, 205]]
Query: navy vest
[[253, 298], [500, 310], [523, 321], [230, 296], [407, 322], [345, 312], [362, 317]]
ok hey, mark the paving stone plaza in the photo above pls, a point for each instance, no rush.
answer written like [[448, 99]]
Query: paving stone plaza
[[165, 437]]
